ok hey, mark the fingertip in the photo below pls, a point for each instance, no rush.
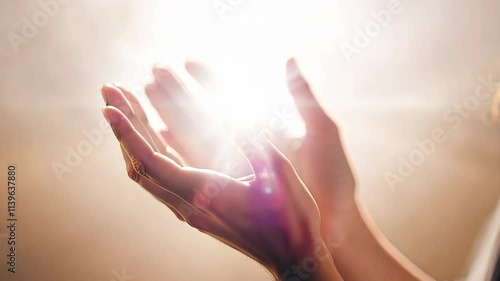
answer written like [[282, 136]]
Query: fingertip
[[190, 64], [158, 65], [161, 71], [108, 87], [291, 64], [105, 90], [165, 134], [292, 69], [294, 76], [151, 89], [202, 74], [112, 115], [259, 152], [195, 68]]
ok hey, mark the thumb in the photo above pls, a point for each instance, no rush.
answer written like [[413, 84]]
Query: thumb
[[315, 118], [202, 74], [265, 159]]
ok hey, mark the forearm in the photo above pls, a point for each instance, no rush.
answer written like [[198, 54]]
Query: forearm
[[361, 252]]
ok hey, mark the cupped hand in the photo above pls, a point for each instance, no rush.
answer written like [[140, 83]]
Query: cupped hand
[[319, 158], [271, 217]]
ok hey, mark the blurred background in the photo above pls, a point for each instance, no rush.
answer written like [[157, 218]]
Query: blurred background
[[404, 79]]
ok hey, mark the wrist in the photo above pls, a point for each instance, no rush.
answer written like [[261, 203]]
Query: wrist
[[339, 229], [313, 264], [337, 220]]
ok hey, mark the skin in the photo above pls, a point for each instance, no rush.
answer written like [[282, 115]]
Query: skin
[[344, 231], [272, 217]]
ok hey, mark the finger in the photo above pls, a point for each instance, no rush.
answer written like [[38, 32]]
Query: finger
[[145, 161], [175, 121], [161, 170], [172, 146], [159, 142], [171, 141], [247, 178], [315, 118], [115, 97], [194, 133], [182, 100], [163, 103], [167, 79], [263, 156], [202, 74], [175, 101], [178, 110], [162, 195]]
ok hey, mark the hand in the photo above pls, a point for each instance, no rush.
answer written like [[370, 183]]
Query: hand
[[271, 218], [202, 142], [319, 159], [358, 249]]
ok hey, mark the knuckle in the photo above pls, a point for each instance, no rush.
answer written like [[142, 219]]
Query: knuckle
[[199, 223], [331, 127], [176, 213], [191, 222], [328, 128], [139, 167], [186, 211], [200, 200], [132, 174]]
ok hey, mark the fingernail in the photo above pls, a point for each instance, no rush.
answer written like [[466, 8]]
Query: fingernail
[[104, 93], [294, 76], [161, 72], [104, 113], [292, 70]]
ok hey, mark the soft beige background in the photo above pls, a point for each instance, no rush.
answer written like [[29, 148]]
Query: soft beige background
[[96, 222]]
